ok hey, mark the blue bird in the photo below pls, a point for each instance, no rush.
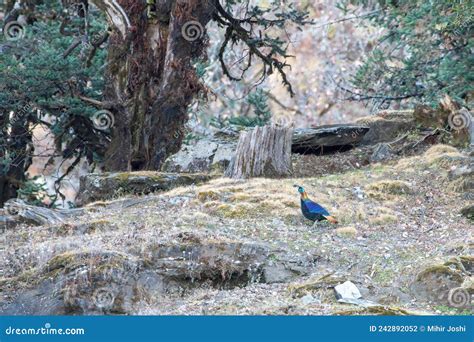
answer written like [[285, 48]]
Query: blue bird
[[312, 210]]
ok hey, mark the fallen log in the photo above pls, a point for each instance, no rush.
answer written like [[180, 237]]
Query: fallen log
[[32, 214], [107, 186], [330, 137]]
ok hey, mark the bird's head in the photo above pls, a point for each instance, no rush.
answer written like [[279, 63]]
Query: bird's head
[[300, 188]]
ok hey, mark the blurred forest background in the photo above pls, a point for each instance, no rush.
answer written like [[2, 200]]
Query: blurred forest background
[[348, 59], [149, 152]]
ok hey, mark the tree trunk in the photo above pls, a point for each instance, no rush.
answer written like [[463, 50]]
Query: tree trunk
[[15, 149], [262, 152], [152, 83]]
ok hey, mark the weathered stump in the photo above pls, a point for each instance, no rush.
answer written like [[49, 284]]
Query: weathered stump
[[262, 152]]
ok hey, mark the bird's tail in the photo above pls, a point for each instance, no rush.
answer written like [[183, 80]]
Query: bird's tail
[[331, 219]]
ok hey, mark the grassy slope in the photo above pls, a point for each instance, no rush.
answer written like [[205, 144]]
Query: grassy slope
[[408, 217]]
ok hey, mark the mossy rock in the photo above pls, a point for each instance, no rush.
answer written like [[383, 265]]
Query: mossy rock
[[90, 282], [434, 282], [468, 263]]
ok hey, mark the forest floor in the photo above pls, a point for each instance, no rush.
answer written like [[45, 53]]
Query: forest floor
[[395, 219]]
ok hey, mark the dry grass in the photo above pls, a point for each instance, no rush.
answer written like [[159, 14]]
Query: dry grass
[[438, 156], [382, 238], [383, 219], [346, 231]]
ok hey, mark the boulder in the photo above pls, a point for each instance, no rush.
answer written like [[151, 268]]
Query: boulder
[[106, 186], [92, 281], [205, 155], [88, 282], [468, 212], [438, 283], [347, 290], [209, 154]]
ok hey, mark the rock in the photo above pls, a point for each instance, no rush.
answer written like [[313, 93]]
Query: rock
[[222, 157], [194, 260], [308, 299], [104, 282], [461, 176], [382, 152], [435, 282], [106, 186], [330, 137], [358, 192], [211, 154], [192, 158], [91, 282], [468, 212], [347, 291], [278, 273], [386, 126], [462, 171]]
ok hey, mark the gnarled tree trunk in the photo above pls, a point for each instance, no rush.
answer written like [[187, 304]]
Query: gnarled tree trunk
[[152, 81]]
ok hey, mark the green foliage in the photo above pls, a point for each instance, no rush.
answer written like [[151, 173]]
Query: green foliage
[[40, 86], [426, 52], [34, 191], [262, 114]]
